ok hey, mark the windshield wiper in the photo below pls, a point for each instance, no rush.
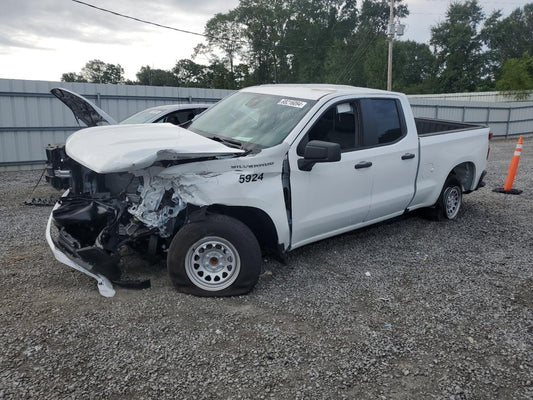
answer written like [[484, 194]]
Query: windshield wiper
[[228, 142]]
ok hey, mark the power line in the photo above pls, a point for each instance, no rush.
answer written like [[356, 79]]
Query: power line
[[186, 31], [224, 38], [147, 22]]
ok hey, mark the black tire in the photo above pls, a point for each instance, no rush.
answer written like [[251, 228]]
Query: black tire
[[449, 202], [219, 256]]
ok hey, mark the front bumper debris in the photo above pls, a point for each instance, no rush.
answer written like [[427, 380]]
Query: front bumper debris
[[105, 287]]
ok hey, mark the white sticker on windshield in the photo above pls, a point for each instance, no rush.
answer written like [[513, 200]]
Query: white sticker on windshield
[[292, 103]]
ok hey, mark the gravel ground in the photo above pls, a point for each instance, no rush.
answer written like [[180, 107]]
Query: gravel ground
[[410, 309]]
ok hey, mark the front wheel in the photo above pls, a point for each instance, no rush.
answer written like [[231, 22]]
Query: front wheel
[[449, 202], [219, 256]]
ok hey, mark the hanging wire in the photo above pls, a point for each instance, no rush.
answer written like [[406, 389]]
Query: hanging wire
[[149, 22]]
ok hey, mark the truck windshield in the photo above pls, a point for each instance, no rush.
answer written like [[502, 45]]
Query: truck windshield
[[258, 119]]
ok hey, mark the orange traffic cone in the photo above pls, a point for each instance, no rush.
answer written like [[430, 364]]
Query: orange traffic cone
[[508, 186]]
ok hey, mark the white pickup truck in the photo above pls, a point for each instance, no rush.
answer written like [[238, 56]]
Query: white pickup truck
[[269, 168]]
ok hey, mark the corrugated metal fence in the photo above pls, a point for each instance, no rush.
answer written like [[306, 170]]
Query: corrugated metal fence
[[504, 119], [497, 97], [31, 118]]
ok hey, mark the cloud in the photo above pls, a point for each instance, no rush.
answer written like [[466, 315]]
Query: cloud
[[27, 23], [203, 8], [11, 39]]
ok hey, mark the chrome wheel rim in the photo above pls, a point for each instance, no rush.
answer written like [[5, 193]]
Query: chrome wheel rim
[[212, 263], [452, 201]]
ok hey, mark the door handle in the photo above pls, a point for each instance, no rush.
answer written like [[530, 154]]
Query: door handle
[[363, 164], [408, 156]]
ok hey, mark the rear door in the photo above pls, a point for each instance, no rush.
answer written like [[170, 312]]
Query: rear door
[[394, 155]]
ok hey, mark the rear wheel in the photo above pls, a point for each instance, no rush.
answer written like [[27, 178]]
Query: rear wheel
[[219, 256], [449, 202]]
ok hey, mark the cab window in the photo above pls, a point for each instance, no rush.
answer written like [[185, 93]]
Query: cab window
[[339, 124], [358, 124]]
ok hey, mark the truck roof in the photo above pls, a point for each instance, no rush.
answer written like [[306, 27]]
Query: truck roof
[[311, 91]]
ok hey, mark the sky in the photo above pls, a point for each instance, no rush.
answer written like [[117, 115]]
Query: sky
[[42, 39]]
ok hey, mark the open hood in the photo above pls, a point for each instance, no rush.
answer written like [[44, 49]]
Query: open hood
[[122, 148], [83, 109]]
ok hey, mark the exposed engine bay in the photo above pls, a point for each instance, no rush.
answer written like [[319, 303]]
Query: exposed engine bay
[[102, 213]]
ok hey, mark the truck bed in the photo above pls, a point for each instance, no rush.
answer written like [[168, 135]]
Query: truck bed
[[430, 126]]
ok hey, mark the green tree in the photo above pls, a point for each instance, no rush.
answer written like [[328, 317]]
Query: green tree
[[314, 29], [72, 77], [413, 68], [508, 37], [298, 40], [242, 76], [219, 76], [223, 32], [265, 23], [358, 58], [97, 71], [517, 77], [375, 65], [191, 74], [458, 47], [156, 77], [375, 14]]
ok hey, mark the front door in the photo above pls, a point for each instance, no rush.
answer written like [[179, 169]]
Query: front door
[[333, 197]]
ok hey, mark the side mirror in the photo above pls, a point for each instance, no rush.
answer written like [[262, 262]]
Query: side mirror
[[317, 151]]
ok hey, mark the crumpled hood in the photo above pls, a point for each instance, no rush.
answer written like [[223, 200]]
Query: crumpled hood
[[122, 148]]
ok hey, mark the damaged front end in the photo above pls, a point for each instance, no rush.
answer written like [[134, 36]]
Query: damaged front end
[[117, 197], [102, 213]]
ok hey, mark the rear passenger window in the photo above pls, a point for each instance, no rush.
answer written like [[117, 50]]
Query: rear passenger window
[[381, 121]]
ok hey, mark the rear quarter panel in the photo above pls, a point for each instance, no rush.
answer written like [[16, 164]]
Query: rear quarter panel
[[441, 153]]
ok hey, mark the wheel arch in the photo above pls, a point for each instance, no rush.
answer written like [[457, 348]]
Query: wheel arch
[[258, 221], [465, 174]]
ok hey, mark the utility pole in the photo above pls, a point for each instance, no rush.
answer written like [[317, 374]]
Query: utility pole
[[390, 38], [395, 28]]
